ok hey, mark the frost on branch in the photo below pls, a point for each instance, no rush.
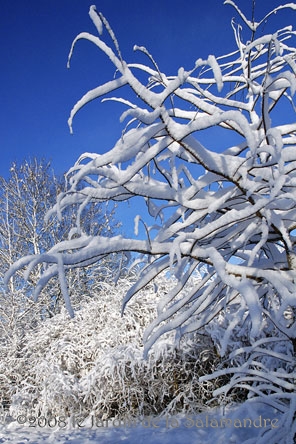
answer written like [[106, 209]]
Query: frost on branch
[[226, 213]]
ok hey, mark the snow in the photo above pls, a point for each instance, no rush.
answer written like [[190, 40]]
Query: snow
[[251, 24], [63, 285], [94, 94], [237, 425], [217, 71], [136, 224], [96, 19]]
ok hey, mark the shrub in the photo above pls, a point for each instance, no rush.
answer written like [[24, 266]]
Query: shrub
[[93, 364]]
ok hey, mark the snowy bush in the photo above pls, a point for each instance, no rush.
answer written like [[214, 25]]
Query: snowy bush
[[93, 364], [227, 213]]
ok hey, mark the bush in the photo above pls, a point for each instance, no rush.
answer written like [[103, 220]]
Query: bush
[[93, 364]]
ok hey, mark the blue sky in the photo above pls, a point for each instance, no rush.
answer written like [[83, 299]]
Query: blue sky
[[37, 91]]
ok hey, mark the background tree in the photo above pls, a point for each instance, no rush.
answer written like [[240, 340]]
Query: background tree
[[227, 213], [25, 198]]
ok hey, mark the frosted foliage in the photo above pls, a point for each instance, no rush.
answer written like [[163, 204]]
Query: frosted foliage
[[93, 364], [227, 212]]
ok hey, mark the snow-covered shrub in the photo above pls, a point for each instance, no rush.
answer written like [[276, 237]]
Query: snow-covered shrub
[[93, 364]]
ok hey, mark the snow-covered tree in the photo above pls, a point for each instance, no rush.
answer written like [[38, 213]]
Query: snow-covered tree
[[227, 212], [25, 197]]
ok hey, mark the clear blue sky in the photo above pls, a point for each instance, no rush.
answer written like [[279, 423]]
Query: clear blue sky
[[37, 91]]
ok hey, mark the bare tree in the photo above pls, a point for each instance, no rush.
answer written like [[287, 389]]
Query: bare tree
[[25, 198]]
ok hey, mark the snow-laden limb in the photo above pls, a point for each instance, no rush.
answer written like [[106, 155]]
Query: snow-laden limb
[[94, 94], [96, 19], [226, 214], [267, 371]]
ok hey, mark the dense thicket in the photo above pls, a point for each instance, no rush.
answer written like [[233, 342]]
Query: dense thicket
[[93, 364]]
